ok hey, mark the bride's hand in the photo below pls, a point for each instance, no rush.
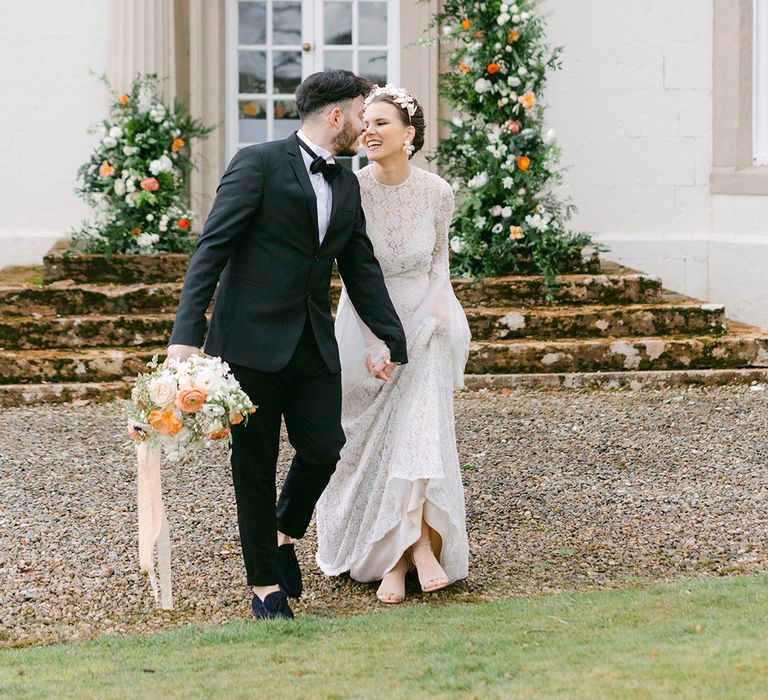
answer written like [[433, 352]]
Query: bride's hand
[[381, 370]]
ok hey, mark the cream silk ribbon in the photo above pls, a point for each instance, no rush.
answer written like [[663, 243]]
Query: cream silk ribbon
[[153, 525]]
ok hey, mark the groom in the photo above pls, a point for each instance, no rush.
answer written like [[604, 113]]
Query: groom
[[284, 211]]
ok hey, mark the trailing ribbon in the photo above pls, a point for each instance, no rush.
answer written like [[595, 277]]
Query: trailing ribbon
[[153, 525]]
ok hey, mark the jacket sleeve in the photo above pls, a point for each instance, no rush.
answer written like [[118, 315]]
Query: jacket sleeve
[[238, 197], [365, 286]]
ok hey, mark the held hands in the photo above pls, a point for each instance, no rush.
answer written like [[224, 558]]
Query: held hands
[[381, 370], [180, 352]]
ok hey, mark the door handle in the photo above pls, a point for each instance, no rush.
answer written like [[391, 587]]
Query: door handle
[[306, 46]]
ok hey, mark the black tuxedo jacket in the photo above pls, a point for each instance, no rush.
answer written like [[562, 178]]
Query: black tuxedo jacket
[[261, 244]]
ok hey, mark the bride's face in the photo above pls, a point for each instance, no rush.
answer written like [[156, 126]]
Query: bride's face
[[384, 133]]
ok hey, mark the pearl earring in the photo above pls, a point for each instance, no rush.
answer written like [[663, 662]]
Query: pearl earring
[[408, 147]]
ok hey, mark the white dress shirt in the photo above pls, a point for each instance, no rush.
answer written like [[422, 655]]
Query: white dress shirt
[[320, 185]]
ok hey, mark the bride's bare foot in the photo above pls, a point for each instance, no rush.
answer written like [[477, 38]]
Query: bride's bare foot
[[392, 588], [432, 576]]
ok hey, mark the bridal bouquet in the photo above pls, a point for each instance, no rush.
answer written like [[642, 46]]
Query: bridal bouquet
[[186, 404], [176, 408]]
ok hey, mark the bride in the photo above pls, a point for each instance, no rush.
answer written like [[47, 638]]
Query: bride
[[396, 500]]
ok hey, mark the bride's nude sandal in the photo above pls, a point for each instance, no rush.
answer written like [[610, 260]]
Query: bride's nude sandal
[[428, 585], [391, 590]]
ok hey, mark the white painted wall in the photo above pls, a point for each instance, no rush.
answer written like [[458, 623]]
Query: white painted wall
[[48, 99], [632, 108]]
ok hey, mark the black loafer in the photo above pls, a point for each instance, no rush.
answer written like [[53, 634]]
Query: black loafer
[[288, 571], [273, 607]]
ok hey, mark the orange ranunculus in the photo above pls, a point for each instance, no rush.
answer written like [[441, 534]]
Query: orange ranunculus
[[528, 100], [191, 400], [466, 24], [493, 68], [512, 36], [523, 162], [135, 231], [150, 184], [184, 222], [237, 418], [219, 434], [164, 422], [463, 67], [106, 169], [177, 144], [124, 99], [515, 232]]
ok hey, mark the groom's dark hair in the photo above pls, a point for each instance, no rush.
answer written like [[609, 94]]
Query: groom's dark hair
[[329, 87]]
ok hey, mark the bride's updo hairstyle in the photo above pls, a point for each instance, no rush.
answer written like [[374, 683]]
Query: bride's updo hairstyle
[[416, 120]]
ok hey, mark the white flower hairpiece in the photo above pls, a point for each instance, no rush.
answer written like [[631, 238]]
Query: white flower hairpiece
[[400, 96]]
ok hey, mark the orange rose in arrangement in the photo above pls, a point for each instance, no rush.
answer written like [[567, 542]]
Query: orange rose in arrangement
[[164, 422], [150, 184], [184, 223], [523, 162], [219, 434], [513, 36], [106, 170], [135, 231], [516, 232], [177, 144], [463, 67], [493, 68], [528, 100], [466, 24], [191, 400], [124, 99]]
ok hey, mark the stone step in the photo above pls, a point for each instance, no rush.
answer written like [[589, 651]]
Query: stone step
[[128, 330], [682, 318], [136, 330], [74, 300], [630, 379], [742, 347], [74, 392], [68, 299]]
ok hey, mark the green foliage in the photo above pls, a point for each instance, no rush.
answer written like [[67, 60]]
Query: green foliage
[[500, 158], [136, 177]]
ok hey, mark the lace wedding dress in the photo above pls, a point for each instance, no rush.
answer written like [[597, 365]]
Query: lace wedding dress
[[399, 464]]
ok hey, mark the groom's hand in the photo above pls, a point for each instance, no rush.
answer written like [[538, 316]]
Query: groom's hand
[[381, 370], [181, 352]]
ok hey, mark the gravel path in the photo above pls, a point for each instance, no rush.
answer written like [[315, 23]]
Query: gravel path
[[564, 490]]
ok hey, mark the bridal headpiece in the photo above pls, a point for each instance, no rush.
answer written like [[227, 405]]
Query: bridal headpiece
[[400, 96]]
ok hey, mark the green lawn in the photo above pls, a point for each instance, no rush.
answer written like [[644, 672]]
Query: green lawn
[[698, 639]]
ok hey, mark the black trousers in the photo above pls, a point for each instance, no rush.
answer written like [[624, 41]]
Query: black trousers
[[308, 395]]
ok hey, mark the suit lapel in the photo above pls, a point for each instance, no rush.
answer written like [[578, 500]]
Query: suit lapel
[[336, 195], [297, 163]]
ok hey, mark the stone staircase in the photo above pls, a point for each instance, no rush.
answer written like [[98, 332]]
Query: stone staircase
[[73, 339]]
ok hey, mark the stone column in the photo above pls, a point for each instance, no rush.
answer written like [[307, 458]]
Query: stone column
[[142, 39]]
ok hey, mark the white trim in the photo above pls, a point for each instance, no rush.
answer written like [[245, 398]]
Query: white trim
[[760, 84], [230, 72]]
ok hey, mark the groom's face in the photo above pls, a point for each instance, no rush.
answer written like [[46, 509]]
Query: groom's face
[[348, 136]]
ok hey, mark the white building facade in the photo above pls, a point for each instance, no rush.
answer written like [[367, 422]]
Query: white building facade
[[657, 109]]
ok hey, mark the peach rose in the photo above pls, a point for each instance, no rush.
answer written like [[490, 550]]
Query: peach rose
[[191, 400], [515, 233], [124, 99], [106, 170], [219, 434], [512, 36], [150, 184], [162, 391], [177, 144], [237, 418], [528, 100], [164, 422]]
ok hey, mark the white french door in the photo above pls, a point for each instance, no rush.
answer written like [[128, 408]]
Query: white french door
[[272, 45]]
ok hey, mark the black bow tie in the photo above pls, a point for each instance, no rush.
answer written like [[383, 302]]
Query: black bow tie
[[320, 164]]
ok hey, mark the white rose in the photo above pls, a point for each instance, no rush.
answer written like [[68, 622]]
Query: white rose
[[145, 240], [525, 16], [502, 19], [515, 18], [522, 70], [513, 81], [150, 217], [116, 132], [496, 210], [109, 142], [457, 245], [162, 391], [119, 188], [482, 85], [506, 212], [447, 29], [508, 183], [457, 122], [549, 137], [163, 164]]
